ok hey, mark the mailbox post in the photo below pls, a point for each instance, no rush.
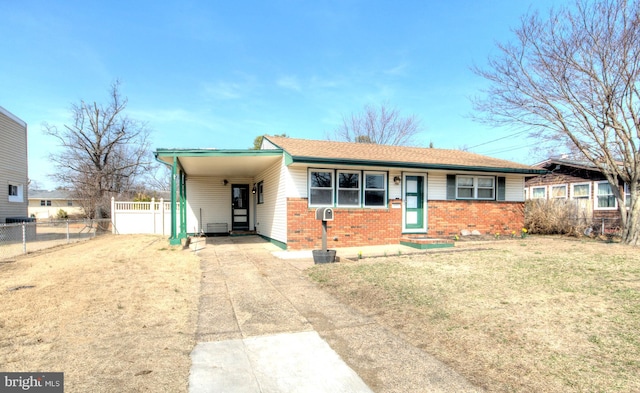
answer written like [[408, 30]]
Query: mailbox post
[[324, 214]]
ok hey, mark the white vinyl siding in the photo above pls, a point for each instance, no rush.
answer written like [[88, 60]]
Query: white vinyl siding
[[271, 214], [209, 202], [13, 166], [437, 186]]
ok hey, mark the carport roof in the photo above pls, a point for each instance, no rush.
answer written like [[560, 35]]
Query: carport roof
[[214, 162]]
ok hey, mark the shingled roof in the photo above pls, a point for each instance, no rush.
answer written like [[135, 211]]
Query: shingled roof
[[314, 151]]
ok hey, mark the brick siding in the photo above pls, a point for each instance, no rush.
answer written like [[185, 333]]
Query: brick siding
[[448, 218], [364, 227]]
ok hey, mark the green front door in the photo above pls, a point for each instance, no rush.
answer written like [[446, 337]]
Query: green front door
[[414, 203]]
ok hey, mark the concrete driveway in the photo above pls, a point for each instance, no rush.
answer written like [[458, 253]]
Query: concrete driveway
[[263, 326]]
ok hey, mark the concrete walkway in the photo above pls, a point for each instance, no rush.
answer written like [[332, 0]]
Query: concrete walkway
[[263, 326]]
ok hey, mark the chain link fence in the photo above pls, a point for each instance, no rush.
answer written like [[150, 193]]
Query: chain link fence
[[25, 237]]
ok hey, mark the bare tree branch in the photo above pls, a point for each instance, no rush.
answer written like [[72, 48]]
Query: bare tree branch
[[104, 152], [383, 125], [573, 80]]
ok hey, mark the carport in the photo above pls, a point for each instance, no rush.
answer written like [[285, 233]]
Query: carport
[[227, 165]]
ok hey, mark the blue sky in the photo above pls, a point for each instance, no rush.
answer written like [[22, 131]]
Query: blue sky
[[219, 73]]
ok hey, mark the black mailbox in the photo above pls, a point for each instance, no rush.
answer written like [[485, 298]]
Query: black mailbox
[[324, 214]]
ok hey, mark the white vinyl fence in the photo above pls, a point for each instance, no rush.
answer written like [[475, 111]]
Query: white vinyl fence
[[141, 217]]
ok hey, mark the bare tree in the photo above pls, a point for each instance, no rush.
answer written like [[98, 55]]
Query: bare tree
[[572, 80], [104, 152], [381, 125]]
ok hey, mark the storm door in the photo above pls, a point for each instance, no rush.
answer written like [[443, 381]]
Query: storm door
[[414, 206], [240, 207]]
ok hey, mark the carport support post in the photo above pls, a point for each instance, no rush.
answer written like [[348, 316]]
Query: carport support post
[[324, 236]]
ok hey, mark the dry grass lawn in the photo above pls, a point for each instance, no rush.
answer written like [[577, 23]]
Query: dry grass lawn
[[540, 314], [115, 314]]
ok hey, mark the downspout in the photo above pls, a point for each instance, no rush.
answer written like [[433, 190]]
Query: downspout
[[183, 205]]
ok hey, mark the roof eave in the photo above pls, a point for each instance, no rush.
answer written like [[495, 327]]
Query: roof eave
[[215, 152], [400, 164]]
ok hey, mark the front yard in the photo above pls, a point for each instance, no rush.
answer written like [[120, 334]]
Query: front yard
[[115, 314], [543, 314]]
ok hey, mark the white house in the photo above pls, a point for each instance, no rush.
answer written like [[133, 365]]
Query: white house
[[379, 194], [13, 166], [45, 204]]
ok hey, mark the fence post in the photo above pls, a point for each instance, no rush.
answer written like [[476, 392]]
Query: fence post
[[602, 232], [24, 237], [68, 238], [162, 214], [153, 215], [113, 215]]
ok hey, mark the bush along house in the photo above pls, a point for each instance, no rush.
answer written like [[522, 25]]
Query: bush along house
[[380, 194]]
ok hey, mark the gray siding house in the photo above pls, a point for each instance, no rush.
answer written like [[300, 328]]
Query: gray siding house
[[13, 166]]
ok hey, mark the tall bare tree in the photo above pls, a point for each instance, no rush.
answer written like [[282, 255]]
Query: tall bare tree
[[104, 152], [383, 125], [572, 78]]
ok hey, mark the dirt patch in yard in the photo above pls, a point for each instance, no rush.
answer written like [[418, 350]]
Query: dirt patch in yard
[[116, 313], [543, 314]]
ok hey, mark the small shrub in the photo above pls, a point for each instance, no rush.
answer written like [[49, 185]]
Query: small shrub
[[62, 215]]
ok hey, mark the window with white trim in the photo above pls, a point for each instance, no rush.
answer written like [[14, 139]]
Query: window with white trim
[[475, 187], [627, 195], [375, 189], [558, 191], [539, 192], [605, 199], [15, 193], [581, 191], [260, 192], [348, 188], [320, 187], [45, 202]]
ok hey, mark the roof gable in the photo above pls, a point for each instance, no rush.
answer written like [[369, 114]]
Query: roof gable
[[313, 151]]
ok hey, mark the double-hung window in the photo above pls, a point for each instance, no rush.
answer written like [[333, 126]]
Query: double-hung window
[[627, 195], [558, 191], [375, 189], [604, 196], [581, 192], [475, 187], [15, 193], [321, 187], [348, 188], [45, 203], [260, 192], [539, 192]]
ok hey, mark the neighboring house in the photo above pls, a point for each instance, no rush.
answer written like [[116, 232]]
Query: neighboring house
[[13, 166], [45, 204], [579, 181], [379, 193]]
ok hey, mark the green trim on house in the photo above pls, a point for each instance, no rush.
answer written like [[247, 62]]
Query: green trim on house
[[426, 246], [401, 164], [216, 153], [288, 160], [274, 242]]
